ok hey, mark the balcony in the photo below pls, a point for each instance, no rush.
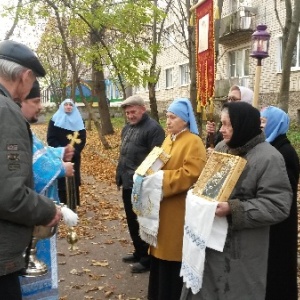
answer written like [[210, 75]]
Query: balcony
[[237, 26]]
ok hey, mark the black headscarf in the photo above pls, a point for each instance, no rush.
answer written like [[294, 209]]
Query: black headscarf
[[245, 121], [35, 92]]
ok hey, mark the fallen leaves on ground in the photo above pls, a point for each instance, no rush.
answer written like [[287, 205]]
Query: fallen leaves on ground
[[95, 211]]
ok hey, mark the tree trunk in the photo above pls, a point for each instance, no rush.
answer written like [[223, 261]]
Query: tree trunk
[[152, 71], [153, 102], [289, 42], [193, 66], [99, 92], [89, 120]]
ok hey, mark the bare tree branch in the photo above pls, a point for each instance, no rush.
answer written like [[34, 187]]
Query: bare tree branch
[[16, 20], [277, 14]]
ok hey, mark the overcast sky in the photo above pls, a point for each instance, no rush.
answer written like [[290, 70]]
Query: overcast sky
[[23, 32]]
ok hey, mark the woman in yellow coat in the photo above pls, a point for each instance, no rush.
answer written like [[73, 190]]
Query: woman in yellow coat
[[188, 156]]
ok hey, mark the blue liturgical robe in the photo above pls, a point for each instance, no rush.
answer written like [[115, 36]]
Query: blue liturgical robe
[[47, 167]]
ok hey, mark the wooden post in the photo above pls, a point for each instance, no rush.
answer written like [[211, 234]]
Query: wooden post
[[257, 83]]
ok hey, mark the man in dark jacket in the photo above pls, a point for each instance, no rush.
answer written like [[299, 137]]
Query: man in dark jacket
[[139, 137], [21, 208]]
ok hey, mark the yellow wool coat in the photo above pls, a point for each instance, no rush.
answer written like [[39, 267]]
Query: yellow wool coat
[[188, 157]]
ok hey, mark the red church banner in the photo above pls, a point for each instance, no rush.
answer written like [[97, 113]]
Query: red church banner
[[205, 53]]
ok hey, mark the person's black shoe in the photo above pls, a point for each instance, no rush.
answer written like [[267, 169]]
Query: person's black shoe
[[130, 258], [139, 268]]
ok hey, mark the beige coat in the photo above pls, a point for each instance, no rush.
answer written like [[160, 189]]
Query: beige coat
[[188, 157]]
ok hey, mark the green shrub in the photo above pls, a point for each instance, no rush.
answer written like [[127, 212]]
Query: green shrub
[[294, 136]]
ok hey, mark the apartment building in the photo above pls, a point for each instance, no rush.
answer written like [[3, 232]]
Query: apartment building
[[234, 65]]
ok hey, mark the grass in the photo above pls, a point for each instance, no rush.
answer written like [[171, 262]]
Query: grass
[[117, 122], [294, 136]]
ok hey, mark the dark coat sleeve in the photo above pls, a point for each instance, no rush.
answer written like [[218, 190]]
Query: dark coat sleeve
[[82, 136], [52, 135], [292, 165], [156, 137]]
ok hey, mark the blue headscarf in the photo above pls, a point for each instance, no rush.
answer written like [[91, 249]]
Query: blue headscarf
[[277, 122], [70, 121], [183, 109]]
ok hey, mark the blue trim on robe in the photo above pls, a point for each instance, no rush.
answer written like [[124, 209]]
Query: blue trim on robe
[[47, 167]]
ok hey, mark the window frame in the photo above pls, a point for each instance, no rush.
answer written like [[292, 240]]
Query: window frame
[[171, 69], [279, 57], [241, 63], [187, 76], [169, 39]]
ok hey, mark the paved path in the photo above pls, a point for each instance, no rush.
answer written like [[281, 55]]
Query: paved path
[[96, 270]]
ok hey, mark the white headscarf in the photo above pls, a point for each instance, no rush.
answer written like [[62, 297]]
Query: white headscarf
[[70, 121], [246, 94]]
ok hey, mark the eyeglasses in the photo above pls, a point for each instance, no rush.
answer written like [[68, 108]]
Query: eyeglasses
[[231, 99]]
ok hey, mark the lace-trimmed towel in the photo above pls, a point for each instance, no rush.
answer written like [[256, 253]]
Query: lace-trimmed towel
[[150, 195], [198, 230]]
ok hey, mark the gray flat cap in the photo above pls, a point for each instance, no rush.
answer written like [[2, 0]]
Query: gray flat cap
[[22, 55], [133, 100]]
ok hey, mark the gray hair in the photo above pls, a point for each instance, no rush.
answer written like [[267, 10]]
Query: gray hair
[[10, 70]]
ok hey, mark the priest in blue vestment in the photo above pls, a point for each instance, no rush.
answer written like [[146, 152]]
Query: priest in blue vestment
[[48, 165]]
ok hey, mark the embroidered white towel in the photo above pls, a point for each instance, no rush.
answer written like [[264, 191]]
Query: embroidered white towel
[[148, 217], [199, 219], [218, 234]]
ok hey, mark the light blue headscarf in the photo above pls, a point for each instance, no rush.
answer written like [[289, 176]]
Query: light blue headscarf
[[70, 121], [277, 122], [182, 108]]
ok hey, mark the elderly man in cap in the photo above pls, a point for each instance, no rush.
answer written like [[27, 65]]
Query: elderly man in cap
[[139, 136], [21, 208]]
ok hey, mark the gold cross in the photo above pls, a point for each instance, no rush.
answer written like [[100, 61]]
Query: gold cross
[[74, 138]]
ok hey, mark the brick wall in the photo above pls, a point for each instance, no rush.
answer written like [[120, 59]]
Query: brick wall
[[270, 77]]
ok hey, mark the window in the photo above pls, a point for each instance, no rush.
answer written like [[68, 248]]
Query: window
[[157, 85], [239, 63], [184, 74], [295, 58], [169, 36], [234, 5], [169, 78]]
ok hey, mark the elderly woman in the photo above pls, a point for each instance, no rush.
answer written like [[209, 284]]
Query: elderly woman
[[188, 157], [261, 197], [236, 93], [282, 261]]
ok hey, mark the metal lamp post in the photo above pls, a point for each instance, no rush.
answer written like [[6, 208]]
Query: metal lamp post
[[260, 48]]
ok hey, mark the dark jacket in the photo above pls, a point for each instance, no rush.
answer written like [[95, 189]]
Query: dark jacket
[[137, 141], [57, 137], [282, 261], [20, 206]]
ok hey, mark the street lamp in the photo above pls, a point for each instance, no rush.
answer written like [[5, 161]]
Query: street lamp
[[260, 48]]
